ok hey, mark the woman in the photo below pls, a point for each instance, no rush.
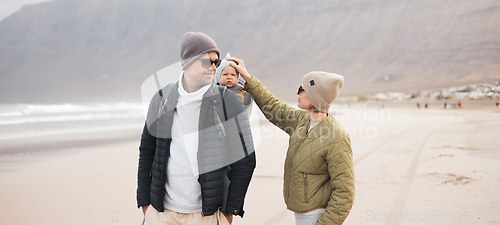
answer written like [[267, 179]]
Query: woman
[[319, 177]]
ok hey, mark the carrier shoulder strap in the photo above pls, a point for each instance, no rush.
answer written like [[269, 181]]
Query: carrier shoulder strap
[[165, 91], [222, 90]]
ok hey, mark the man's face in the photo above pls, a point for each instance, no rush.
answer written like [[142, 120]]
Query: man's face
[[196, 75]]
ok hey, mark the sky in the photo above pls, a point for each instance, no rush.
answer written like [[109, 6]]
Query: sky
[[8, 7]]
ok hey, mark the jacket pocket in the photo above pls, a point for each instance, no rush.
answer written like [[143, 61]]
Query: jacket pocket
[[306, 198]]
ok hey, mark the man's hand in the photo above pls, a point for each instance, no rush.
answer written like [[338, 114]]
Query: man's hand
[[240, 66], [229, 218], [144, 209]]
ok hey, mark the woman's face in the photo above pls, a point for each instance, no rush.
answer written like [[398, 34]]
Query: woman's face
[[303, 102], [229, 77]]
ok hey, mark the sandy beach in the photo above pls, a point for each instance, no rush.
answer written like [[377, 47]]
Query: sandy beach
[[412, 166]]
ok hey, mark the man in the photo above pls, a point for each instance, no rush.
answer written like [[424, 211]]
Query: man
[[196, 153]]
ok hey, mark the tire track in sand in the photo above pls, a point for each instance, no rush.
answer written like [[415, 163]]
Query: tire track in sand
[[401, 197], [282, 214], [368, 153]]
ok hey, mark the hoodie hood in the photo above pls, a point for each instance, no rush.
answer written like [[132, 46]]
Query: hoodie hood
[[224, 63]]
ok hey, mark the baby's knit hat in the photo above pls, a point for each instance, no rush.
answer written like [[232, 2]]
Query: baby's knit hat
[[194, 45], [223, 64], [322, 88]]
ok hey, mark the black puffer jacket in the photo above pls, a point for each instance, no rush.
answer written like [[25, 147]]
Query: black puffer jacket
[[213, 136]]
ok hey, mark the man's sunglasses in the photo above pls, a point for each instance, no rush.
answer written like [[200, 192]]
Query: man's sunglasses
[[207, 63], [300, 90]]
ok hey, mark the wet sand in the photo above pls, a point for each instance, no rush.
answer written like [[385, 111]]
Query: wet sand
[[427, 166]]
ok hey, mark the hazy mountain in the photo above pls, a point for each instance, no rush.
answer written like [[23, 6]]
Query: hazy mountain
[[77, 50]]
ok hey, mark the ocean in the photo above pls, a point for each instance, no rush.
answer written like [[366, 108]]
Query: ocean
[[68, 123]]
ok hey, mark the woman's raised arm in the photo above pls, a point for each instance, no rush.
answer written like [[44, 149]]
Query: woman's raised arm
[[280, 114]]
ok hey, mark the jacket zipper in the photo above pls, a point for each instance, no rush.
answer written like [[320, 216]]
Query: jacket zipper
[[305, 188], [221, 124]]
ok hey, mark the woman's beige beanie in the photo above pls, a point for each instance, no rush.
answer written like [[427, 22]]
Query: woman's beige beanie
[[322, 88]]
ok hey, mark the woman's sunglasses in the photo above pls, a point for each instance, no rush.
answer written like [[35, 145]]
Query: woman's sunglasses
[[300, 90], [207, 63]]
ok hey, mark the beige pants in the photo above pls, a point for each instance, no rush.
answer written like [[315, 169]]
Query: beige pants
[[168, 217]]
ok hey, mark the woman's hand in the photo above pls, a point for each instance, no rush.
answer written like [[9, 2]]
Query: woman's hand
[[240, 66]]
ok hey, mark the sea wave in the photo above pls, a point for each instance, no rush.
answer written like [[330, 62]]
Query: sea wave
[[68, 131], [37, 113]]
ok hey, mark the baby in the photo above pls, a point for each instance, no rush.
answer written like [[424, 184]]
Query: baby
[[227, 75]]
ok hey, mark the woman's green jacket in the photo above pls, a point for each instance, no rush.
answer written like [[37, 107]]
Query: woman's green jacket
[[318, 166]]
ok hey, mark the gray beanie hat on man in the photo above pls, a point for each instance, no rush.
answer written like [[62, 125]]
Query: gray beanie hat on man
[[322, 88], [194, 45]]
